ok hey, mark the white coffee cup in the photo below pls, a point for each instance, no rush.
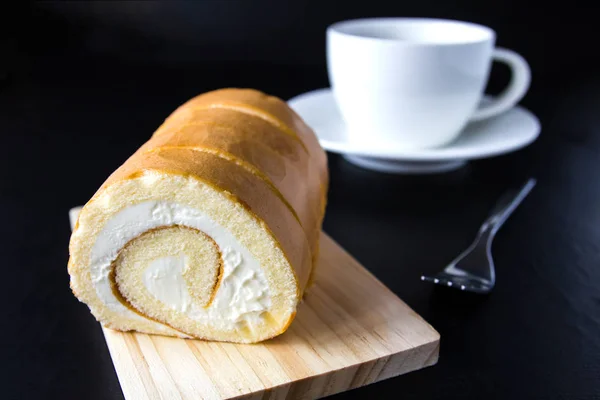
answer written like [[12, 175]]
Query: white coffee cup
[[415, 83]]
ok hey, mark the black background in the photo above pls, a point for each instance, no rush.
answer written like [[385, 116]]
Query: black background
[[83, 84]]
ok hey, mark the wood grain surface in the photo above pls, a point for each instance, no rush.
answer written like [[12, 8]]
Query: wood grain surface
[[350, 331]]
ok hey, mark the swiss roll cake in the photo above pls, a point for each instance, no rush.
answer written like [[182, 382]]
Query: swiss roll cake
[[211, 228]]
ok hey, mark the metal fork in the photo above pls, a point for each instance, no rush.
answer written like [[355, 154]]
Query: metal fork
[[473, 270]]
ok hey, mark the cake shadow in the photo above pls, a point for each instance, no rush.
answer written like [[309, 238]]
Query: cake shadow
[[347, 311]]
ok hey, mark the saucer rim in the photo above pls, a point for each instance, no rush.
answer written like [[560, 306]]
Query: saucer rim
[[405, 167], [429, 154]]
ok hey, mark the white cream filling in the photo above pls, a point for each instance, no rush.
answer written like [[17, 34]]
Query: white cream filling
[[163, 278], [242, 295]]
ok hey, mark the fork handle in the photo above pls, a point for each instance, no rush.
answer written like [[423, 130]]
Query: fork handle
[[507, 204]]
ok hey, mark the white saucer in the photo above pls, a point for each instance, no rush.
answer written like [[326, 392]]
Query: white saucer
[[505, 133]]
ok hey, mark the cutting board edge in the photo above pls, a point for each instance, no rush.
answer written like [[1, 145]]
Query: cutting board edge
[[289, 388]]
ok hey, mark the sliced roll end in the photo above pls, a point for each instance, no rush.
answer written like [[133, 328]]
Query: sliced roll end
[[189, 262]]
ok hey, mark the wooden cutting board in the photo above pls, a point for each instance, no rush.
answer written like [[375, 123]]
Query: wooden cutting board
[[350, 331]]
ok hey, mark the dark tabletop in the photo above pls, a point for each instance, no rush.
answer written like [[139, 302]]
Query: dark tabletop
[[66, 123]]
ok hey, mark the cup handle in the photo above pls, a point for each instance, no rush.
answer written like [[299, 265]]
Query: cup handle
[[519, 83]]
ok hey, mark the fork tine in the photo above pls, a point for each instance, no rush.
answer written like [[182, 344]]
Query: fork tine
[[437, 279]]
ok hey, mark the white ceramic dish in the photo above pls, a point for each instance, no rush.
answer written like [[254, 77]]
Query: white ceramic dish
[[502, 134]]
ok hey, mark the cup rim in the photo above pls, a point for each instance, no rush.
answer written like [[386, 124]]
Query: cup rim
[[338, 29]]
